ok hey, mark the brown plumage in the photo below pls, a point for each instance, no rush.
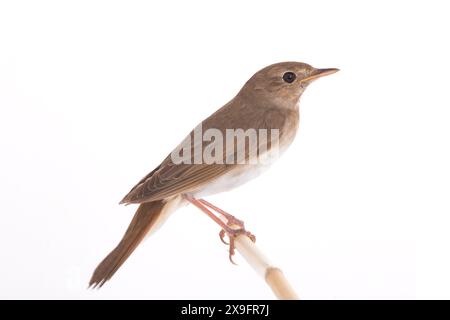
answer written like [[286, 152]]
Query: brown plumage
[[144, 218], [268, 100]]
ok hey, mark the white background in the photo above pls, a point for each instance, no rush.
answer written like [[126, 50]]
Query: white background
[[93, 95]]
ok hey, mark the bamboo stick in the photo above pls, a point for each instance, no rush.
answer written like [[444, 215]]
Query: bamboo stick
[[273, 276]]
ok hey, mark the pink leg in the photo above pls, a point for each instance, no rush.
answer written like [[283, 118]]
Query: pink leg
[[227, 228], [231, 220]]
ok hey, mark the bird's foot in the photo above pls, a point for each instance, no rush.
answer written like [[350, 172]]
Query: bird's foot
[[235, 228], [232, 233], [234, 224], [232, 228]]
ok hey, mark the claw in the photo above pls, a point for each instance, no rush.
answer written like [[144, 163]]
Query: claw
[[251, 236], [222, 234], [231, 254], [232, 235]]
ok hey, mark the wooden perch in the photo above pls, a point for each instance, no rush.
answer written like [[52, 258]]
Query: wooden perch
[[273, 276]]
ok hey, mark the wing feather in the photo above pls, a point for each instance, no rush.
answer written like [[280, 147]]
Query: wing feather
[[170, 179]]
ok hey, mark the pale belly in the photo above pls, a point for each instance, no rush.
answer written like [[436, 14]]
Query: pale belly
[[233, 179]]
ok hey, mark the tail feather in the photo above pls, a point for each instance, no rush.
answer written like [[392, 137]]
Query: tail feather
[[144, 219]]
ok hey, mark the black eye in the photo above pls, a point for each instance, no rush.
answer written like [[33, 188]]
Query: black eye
[[289, 77]]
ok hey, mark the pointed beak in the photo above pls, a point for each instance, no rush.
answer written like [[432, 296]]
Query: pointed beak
[[318, 73]]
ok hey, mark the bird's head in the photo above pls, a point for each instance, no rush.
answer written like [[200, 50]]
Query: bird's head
[[283, 83]]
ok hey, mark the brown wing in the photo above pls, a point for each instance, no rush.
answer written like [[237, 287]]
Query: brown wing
[[170, 179]]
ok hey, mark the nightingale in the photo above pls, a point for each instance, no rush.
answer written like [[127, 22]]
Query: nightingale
[[266, 110]]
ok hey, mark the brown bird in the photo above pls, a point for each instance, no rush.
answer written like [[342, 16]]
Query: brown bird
[[265, 113]]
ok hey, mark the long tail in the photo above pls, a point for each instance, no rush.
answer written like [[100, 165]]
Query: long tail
[[144, 219]]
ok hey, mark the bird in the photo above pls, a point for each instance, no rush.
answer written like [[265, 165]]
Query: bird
[[267, 103]]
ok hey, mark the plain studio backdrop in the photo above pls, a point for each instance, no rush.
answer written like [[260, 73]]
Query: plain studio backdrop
[[94, 94]]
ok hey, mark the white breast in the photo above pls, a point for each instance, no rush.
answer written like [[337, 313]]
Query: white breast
[[243, 173], [234, 178]]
